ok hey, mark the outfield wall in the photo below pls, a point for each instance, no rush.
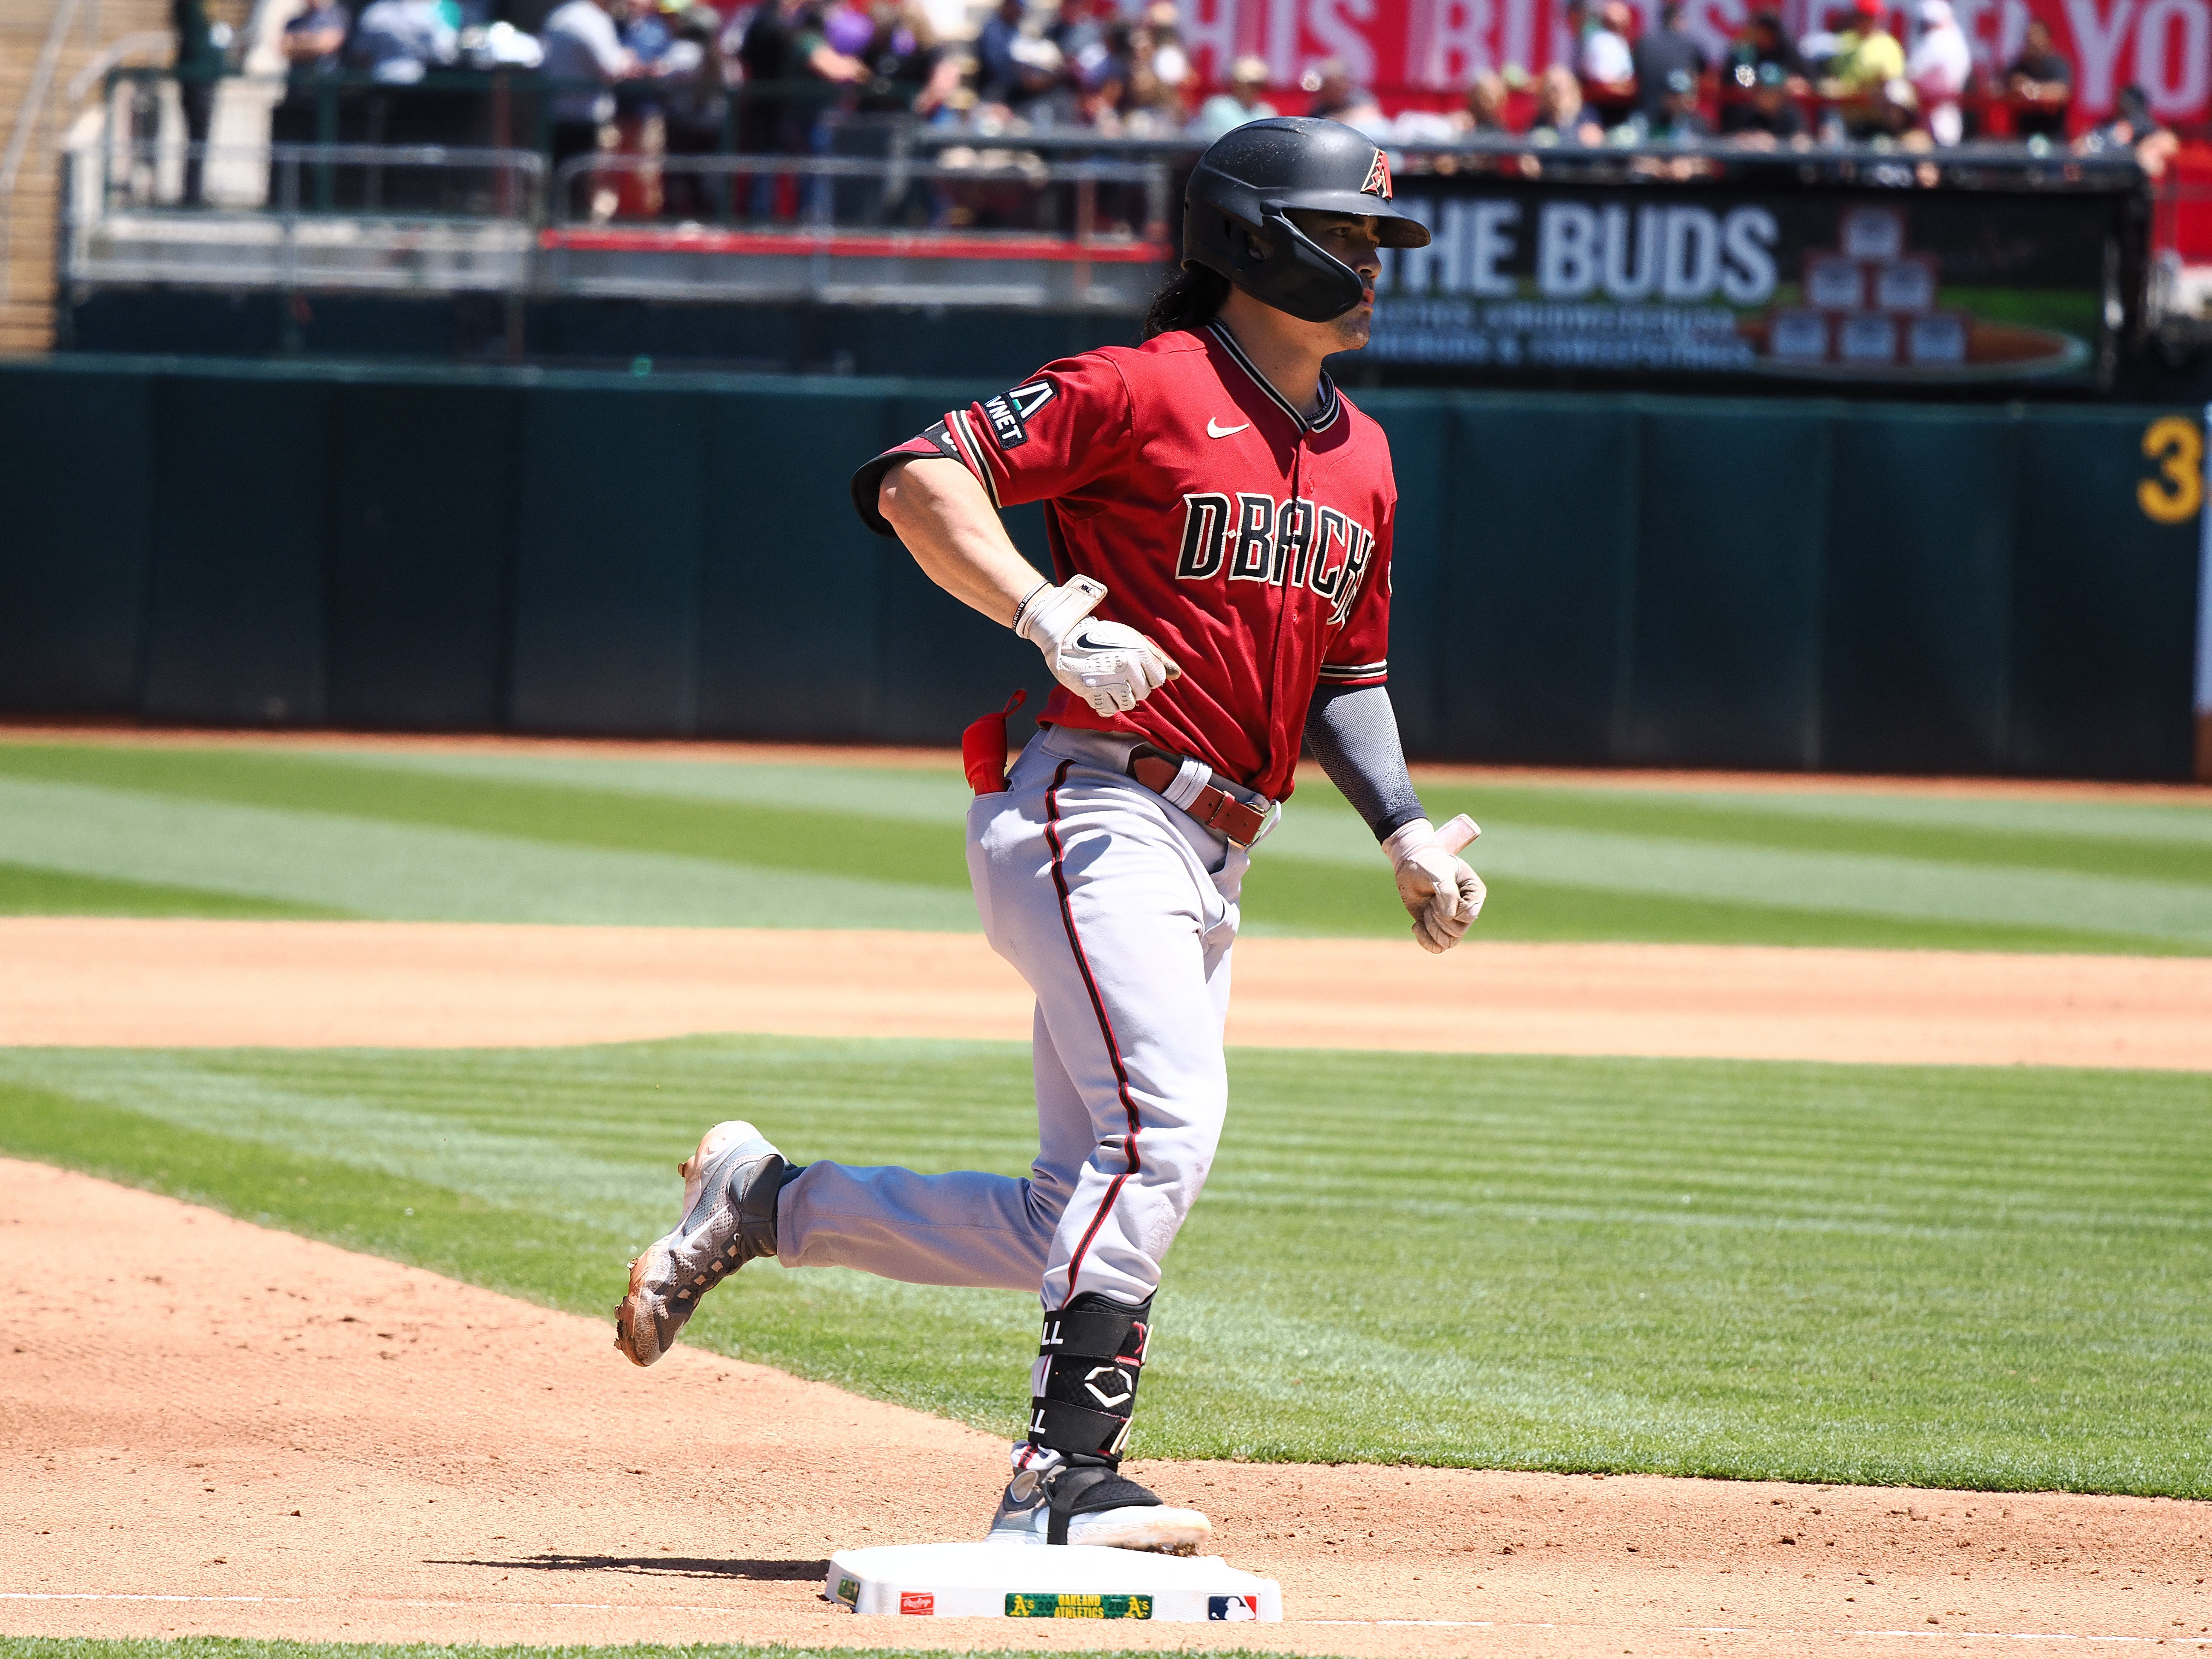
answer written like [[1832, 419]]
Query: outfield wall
[[1578, 578]]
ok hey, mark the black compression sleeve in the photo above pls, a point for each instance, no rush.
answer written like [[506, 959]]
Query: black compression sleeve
[[1353, 732]]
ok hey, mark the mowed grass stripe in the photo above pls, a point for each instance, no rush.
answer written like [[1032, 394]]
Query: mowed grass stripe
[[756, 835], [27, 889], [917, 794], [2134, 842], [1780, 879], [427, 836], [1284, 894], [2100, 837], [1939, 1276], [2126, 818], [1756, 820], [402, 872]]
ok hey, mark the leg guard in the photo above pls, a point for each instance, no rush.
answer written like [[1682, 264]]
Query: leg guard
[[1084, 1389], [1068, 1486]]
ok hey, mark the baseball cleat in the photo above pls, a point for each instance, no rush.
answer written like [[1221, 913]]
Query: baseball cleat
[[1099, 1507], [730, 1188]]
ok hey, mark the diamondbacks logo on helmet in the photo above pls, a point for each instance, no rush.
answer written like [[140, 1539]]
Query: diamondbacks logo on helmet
[[1378, 177]]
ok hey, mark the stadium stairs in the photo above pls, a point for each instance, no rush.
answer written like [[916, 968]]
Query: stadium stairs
[[26, 316]]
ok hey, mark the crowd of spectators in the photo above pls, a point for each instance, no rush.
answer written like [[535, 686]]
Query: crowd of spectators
[[679, 77], [1853, 79]]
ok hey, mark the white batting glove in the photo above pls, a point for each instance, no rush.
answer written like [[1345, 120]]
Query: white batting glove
[[1111, 667], [1435, 885]]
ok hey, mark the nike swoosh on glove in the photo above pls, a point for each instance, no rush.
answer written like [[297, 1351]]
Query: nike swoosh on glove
[[1111, 666], [1439, 890]]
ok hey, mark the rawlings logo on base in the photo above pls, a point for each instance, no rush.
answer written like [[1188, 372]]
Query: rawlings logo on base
[[1378, 177], [918, 1601]]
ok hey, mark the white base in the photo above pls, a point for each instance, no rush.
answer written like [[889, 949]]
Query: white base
[[1044, 1581]]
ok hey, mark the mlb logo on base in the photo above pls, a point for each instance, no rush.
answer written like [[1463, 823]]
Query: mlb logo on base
[[1232, 1607]]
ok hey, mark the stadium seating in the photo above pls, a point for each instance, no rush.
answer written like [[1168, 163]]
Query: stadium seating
[[26, 318]]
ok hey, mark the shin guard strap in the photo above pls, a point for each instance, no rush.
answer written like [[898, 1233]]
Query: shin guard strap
[[1100, 1330], [1068, 1485]]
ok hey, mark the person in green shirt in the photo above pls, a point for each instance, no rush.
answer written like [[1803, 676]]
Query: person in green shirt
[[198, 65]]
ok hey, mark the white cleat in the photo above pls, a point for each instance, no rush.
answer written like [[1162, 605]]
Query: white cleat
[[730, 1188], [1101, 1506]]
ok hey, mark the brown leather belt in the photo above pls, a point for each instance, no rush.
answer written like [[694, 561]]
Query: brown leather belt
[[1241, 821]]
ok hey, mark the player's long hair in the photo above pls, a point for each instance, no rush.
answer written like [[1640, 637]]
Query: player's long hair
[[1192, 298]]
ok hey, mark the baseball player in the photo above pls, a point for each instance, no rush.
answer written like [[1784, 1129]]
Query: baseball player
[[1220, 518]]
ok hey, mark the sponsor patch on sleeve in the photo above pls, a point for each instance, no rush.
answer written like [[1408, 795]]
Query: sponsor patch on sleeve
[[1010, 412]]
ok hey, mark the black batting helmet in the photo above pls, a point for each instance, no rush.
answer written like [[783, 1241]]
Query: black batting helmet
[[1235, 221]]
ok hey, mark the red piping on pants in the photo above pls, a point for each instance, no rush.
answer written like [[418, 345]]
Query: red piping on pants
[[1105, 1025]]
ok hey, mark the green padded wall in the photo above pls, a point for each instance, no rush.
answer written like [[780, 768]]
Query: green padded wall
[[76, 474], [1922, 519], [1579, 579], [421, 555], [240, 521]]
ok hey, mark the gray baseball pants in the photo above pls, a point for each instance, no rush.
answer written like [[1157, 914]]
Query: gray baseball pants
[[1119, 911]]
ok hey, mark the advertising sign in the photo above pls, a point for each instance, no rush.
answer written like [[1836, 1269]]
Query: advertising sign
[[1402, 47], [1806, 283]]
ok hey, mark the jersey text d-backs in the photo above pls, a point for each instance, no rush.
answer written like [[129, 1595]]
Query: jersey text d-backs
[[1253, 545]]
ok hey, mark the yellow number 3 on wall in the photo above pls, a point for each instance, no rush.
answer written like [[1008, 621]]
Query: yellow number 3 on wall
[[2177, 444]]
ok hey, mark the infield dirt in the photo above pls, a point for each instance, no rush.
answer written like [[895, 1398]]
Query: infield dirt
[[100, 980], [210, 1427]]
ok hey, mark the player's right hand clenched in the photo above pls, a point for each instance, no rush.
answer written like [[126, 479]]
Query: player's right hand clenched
[[1111, 666], [1442, 894]]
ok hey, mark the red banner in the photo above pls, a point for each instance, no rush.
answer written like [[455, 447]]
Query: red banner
[[1411, 50]]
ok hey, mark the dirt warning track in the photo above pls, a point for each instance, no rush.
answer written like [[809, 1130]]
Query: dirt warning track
[[208, 1427], [99, 982]]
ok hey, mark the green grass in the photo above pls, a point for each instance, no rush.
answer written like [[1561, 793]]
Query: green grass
[[1992, 1278], [464, 836], [1290, 896], [30, 891]]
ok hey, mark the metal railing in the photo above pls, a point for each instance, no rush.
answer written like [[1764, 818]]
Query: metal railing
[[110, 58], [898, 175], [887, 229], [128, 226], [882, 230]]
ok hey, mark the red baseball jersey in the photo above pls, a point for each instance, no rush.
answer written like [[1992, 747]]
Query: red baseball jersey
[[1252, 543]]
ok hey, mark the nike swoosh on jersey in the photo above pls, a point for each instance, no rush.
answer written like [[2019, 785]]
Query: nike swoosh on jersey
[[1213, 431]]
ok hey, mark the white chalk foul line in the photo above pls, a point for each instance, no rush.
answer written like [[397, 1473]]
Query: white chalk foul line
[[83, 1595], [1746, 1630], [2016, 1636], [1446, 1624], [355, 1600]]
